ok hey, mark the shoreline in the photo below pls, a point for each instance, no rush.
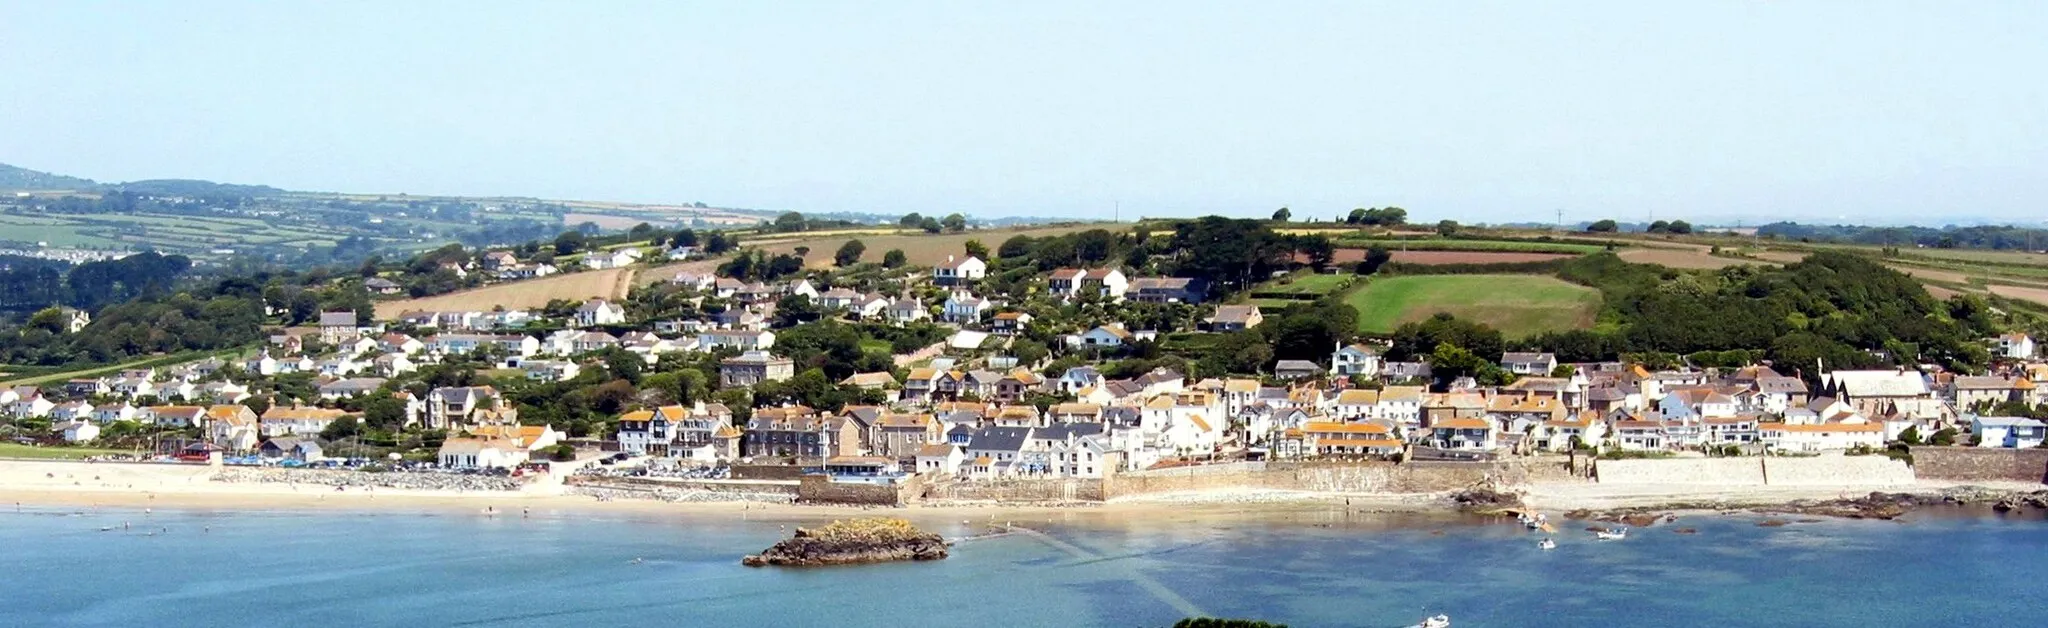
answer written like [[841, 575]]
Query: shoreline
[[127, 486]]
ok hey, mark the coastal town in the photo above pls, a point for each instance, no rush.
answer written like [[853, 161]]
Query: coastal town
[[936, 380]]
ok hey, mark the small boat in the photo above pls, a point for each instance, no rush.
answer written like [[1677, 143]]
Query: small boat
[[1439, 621], [1546, 544], [1612, 535]]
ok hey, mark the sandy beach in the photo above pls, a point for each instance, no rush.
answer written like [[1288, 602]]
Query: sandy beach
[[130, 485]]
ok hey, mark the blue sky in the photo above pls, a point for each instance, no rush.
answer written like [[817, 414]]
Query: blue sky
[[1878, 112]]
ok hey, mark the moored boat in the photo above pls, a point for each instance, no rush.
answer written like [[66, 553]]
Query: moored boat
[[1612, 535], [1438, 621]]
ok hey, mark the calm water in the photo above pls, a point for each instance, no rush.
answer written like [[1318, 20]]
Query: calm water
[[382, 569]]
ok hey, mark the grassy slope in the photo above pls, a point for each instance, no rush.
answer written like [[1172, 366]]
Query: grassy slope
[[14, 450], [1518, 305]]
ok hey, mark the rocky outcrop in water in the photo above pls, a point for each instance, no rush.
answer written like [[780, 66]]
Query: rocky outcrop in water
[[1486, 498], [852, 542]]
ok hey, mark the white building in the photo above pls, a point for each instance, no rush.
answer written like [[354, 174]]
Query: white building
[[956, 271], [481, 453], [599, 312]]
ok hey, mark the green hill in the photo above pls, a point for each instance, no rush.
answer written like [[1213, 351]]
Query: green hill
[[16, 178]]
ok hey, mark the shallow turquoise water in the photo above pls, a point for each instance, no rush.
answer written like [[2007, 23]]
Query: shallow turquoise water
[[236, 568]]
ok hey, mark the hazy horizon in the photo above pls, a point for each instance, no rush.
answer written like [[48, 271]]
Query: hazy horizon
[[1875, 113]]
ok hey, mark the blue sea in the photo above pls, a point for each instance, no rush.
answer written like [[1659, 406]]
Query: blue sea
[[326, 568]]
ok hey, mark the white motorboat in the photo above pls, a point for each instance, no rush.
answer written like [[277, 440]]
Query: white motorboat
[[1612, 535], [1439, 621], [1546, 544]]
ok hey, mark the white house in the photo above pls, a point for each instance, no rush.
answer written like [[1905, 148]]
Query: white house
[[956, 271], [1834, 435], [481, 453], [1355, 359], [117, 411], [1105, 336], [2016, 346], [77, 431], [2008, 432], [615, 259], [964, 307], [1537, 364], [904, 311], [31, 406], [943, 459], [599, 312], [738, 339]]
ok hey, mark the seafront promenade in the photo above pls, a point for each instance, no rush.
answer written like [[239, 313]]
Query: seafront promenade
[[1539, 482]]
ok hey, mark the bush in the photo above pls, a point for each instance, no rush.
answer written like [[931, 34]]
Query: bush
[[1944, 438], [562, 453]]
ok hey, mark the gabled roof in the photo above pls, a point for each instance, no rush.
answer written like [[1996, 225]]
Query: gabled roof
[[1527, 358], [999, 438]]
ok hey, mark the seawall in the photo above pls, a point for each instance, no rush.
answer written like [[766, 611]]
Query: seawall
[[1824, 470], [1981, 464]]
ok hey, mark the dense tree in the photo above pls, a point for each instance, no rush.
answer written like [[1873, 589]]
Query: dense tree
[[1603, 226], [789, 222], [975, 248], [686, 237], [1232, 253], [1446, 227], [1378, 216], [1236, 353], [954, 223], [1375, 257], [1659, 226], [931, 225], [1015, 247], [570, 242], [342, 428], [1309, 333], [849, 253], [1680, 227], [1282, 215], [1412, 340], [894, 258], [911, 220]]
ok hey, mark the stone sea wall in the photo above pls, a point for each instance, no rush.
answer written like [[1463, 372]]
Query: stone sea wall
[[1824, 470], [822, 489], [1836, 471], [1333, 477], [1747, 471], [769, 487], [1981, 464], [1051, 490]]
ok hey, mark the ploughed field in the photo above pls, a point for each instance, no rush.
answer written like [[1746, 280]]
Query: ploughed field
[[531, 293], [1518, 305]]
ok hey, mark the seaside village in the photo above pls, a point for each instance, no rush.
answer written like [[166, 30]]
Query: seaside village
[[965, 409]]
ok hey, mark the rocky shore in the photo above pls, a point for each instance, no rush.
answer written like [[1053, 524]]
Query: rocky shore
[[1876, 505], [851, 542], [678, 495], [363, 479]]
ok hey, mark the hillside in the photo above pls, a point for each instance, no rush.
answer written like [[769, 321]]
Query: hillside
[[18, 178]]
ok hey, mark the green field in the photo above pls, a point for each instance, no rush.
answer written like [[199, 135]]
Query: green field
[[1303, 284], [15, 450], [1517, 305], [1445, 244]]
